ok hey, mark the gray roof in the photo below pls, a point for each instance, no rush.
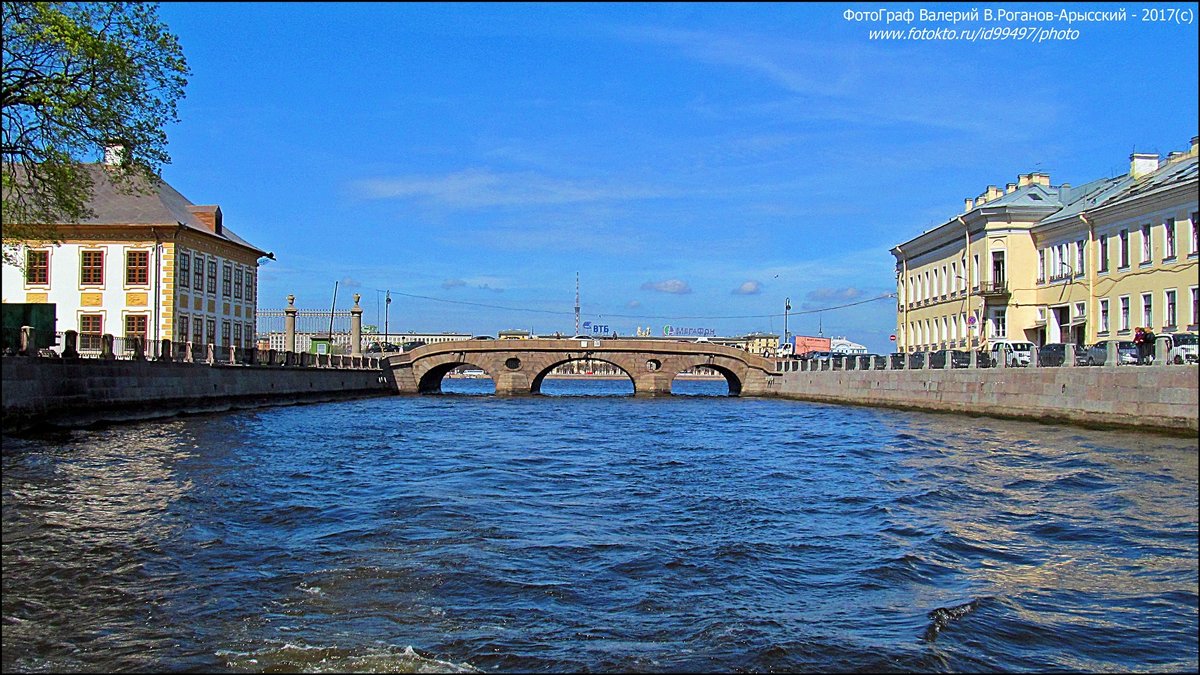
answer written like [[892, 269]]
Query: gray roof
[[154, 203], [1086, 197]]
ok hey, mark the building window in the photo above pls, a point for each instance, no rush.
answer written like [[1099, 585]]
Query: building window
[[1124, 313], [198, 275], [1080, 257], [1169, 239], [237, 335], [212, 277], [185, 270], [1169, 308], [1041, 266], [137, 326], [975, 272], [1195, 308], [249, 286], [1124, 251], [137, 268], [1103, 327], [1103, 254], [211, 333], [1147, 310], [183, 328], [37, 268], [91, 270], [198, 331], [237, 283], [225, 334], [999, 323], [227, 280], [1195, 237], [91, 327], [1146, 243]]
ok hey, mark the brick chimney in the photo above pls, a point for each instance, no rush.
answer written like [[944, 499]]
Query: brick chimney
[[209, 216], [969, 204], [116, 153], [1142, 164]]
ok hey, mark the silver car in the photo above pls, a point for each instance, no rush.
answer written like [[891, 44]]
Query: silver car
[[1127, 353]]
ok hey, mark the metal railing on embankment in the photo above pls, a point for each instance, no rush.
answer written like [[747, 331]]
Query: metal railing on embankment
[[72, 345]]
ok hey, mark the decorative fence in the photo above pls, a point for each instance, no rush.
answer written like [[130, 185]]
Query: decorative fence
[[71, 345]]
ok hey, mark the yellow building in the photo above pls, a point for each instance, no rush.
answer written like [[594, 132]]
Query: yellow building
[[147, 264], [1047, 263]]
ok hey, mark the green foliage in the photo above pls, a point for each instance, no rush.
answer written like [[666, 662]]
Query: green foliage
[[78, 77]]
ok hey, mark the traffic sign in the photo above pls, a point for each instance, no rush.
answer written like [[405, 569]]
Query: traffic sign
[[892, 338], [971, 320]]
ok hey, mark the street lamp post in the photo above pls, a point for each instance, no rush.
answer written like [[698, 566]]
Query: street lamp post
[[787, 306], [387, 306]]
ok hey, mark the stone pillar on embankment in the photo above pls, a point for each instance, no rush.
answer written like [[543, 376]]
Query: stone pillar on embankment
[[356, 328], [289, 325]]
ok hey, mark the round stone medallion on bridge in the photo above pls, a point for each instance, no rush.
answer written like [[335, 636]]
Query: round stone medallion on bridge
[[513, 363], [653, 365]]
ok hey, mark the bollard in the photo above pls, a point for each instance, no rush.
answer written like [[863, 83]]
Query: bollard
[[949, 360], [974, 362], [164, 351], [1069, 355], [1112, 356], [139, 349], [26, 340], [1162, 350], [210, 356], [106, 346], [70, 344]]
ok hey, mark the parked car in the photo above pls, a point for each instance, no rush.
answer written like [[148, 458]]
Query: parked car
[[411, 345], [1054, 354], [1127, 353], [897, 359], [1182, 348], [958, 358], [1017, 353], [381, 347], [916, 360]]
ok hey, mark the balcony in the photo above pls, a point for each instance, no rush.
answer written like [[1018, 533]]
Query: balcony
[[993, 289]]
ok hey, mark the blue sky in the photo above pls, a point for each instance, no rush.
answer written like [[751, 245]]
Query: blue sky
[[692, 163]]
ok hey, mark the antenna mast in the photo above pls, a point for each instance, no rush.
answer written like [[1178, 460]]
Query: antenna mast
[[577, 303]]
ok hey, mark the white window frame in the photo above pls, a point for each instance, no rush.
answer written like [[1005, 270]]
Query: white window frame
[[1124, 309], [1102, 326], [1170, 307], [1148, 310], [1168, 239]]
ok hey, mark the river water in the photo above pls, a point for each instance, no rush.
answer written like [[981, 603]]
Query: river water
[[586, 532]]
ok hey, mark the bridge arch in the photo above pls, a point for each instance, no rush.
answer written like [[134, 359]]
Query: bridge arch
[[431, 380], [535, 385], [733, 370]]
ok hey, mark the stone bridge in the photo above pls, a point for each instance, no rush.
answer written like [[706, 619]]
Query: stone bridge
[[518, 367]]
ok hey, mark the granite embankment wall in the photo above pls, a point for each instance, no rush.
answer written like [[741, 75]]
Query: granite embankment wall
[[1159, 398], [78, 392]]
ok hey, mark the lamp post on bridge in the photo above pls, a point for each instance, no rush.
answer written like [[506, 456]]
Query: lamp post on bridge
[[787, 306], [387, 306]]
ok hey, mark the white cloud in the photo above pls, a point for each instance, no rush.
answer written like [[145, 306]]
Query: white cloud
[[674, 286], [748, 288], [482, 188]]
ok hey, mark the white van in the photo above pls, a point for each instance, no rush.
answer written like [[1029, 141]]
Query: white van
[[1016, 353], [1183, 348]]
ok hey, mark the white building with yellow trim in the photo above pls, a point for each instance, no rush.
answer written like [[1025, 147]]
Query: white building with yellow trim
[[1045, 263], [148, 263]]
